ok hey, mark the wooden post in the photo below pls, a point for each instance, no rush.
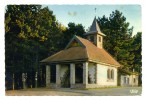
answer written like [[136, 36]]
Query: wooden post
[[13, 82], [23, 80], [36, 80], [26, 80]]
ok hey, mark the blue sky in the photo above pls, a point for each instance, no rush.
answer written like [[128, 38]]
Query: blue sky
[[84, 14]]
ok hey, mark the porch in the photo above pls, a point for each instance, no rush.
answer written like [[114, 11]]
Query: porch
[[71, 75]]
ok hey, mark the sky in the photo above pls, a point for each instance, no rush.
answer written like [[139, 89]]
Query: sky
[[84, 14]]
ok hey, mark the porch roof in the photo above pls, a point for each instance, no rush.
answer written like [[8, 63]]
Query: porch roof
[[87, 52], [70, 54]]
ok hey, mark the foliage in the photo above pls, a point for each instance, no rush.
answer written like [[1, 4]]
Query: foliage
[[119, 41], [137, 64], [32, 33], [73, 29]]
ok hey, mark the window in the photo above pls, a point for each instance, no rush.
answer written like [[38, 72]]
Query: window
[[99, 39], [134, 80], [108, 74], [125, 80], [112, 74]]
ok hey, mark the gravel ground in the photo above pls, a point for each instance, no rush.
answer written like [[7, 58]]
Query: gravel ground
[[119, 91]]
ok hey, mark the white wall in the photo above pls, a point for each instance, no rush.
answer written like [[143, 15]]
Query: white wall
[[136, 80], [131, 78], [123, 83], [102, 75]]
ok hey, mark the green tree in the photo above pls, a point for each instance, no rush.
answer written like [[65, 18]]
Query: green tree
[[30, 33], [17, 26], [118, 40], [73, 29], [137, 65]]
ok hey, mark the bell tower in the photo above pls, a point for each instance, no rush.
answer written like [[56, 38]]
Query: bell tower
[[95, 35]]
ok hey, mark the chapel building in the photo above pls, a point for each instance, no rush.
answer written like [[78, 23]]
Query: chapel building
[[83, 63]]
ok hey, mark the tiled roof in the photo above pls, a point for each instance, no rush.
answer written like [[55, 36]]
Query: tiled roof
[[70, 54], [89, 52], [98, 54]]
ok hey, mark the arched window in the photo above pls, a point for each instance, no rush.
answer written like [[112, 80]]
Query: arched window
[[112, 74], [99, 39], [134, 80], [108, 74]]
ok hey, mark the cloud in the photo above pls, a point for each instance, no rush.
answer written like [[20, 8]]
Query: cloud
[[72, 13]]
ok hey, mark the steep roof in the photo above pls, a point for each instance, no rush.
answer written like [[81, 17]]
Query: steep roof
[[83, 53], [95, 28]]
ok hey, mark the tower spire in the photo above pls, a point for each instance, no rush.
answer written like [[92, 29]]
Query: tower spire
[[94, 34]]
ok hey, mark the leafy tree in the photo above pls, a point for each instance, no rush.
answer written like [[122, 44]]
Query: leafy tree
[[17, 28], [137, 51], [73, 29], [120, 43], [30, 33], [137, 64], [118, 40]]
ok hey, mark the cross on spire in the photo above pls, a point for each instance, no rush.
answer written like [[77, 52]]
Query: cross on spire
[[95, 10]]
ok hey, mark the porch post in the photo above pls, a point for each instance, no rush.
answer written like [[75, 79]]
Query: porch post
[[72, 74], [58, 81], [85, 73], [47, 75]]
